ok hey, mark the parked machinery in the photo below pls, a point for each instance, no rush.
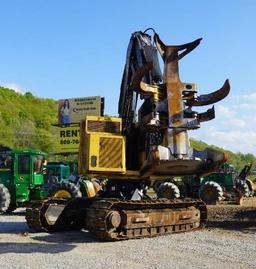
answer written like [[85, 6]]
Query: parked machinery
[[226, 185], [57, 172], [121, 157], [244, 177], [25, 176], [21, 177]]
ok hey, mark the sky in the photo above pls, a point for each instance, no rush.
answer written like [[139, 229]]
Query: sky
[[63, 49]]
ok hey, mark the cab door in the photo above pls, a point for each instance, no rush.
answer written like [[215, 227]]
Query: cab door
[[22, 177], [37, 170]]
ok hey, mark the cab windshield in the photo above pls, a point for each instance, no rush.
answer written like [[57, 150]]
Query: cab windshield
[[53, 171]]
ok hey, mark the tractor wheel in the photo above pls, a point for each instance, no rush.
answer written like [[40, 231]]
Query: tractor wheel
[[168, 190], [65, 190], [250, 186], [211, 192], [5, 198], [156, 185], [53, 180], [11, 208], [243, 188]]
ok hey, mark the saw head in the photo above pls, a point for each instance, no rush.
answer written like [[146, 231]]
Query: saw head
[[170, 111]]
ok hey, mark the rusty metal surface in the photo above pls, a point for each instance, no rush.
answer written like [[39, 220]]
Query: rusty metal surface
[[103, 126], [35, 215], [146, 218], [208, 99], [115, 219], [180, 97], [72, 216]]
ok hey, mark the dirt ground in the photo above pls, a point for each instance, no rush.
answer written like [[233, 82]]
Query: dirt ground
[[229, 241]]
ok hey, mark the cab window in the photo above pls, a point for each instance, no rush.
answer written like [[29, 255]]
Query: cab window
[[38, 164], [23, 162]]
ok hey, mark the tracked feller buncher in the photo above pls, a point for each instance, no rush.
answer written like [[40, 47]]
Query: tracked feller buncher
[[121, 157]]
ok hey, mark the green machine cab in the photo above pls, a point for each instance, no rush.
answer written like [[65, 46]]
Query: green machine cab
[[226, 176], [57, 172], [21, 177]]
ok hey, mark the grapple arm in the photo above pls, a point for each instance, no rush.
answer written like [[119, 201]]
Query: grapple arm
[[211, 98]]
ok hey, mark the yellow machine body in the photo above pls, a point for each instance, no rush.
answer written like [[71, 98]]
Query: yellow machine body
[[102, 147]]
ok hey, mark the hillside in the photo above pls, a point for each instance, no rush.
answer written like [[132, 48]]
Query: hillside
[[237, 159], [25, 122]]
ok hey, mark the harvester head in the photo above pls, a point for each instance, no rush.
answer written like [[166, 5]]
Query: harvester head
[[167, 111]]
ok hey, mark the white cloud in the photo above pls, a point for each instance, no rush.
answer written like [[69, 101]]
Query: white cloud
[[249, 97], [237, 140], [238, 123], [248, 106], [245, 101], [246, 97], [14, 86], [240, 140], [234, 127], [224, 111]]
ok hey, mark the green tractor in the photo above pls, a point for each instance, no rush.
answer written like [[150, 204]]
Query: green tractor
[[57, 172], [223, 185], [226, 184], [21, 177], [25, 177], [62, 179]]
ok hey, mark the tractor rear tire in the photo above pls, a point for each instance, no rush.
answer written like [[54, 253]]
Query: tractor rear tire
[[168, 190], [65, 190], [11, 208], [156, 185], [243, 188], [250, 186], [5, 199], [211, 192]]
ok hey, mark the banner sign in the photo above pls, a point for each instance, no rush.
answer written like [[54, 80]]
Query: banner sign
[[68, 139], [74, 110]]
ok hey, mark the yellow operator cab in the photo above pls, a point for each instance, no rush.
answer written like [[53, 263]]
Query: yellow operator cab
[[102, 147]]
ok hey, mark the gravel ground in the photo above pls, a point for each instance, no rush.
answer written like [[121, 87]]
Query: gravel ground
[[233, 247]]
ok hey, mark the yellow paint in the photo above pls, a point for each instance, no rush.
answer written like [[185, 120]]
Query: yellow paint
[[62, 194], [5, 169], [102, 147], [68, 139], [96, 149]]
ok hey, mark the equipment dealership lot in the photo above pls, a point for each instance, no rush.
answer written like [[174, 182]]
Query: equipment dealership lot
[[209, 248]]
